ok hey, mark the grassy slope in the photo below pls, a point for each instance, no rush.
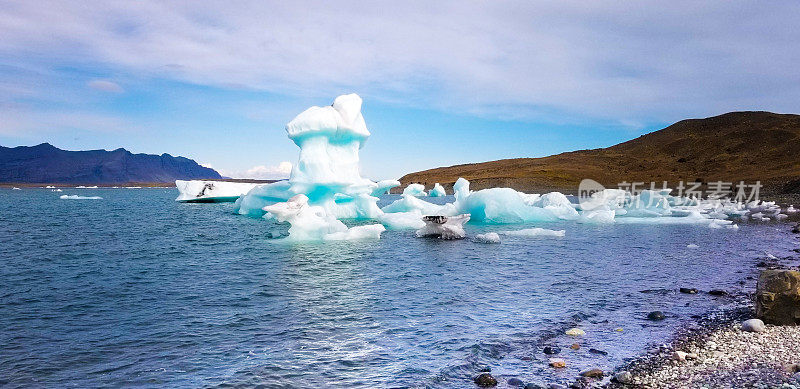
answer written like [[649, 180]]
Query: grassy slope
[[735, 146]]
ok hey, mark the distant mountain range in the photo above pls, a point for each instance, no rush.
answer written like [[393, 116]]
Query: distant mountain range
[[46, 163], [749, 146]]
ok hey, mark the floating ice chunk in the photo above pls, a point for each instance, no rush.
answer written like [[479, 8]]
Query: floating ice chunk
[[76, 197], [414, 190], [489, 237], [409, 203], [371, 231], [86, 187], [791, 209], [505, 205], [384, 186], [402, 220], [780, 216], [692, 246], [253, 202], [597, 216], [757, 215], [437, 191], [444, 227], [210, 191], [15, 188], [536, 231], [49, 187], [312, 223]]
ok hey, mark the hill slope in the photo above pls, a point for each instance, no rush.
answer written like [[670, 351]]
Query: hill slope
[[736, 146], [45, 163]]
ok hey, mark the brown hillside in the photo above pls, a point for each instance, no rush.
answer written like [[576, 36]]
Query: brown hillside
[[736, 146]]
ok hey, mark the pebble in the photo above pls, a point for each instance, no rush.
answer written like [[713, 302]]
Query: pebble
[[753, 325], [656, 316], [558, 363], [485, 380], [575, 332], [593, 373], [550, 350], [575, 346]]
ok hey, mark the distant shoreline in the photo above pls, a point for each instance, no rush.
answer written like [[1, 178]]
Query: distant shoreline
[[121, 185]]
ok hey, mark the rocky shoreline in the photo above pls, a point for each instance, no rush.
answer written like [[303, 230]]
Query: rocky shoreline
[[714, 350], [721, 350]]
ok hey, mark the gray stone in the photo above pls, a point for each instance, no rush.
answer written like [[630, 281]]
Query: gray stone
[[514, 382], [753, 325], [623, 377], [485, 380], [656, 316], [593, 373]]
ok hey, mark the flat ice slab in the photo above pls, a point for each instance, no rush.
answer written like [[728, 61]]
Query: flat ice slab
[[200, 191]]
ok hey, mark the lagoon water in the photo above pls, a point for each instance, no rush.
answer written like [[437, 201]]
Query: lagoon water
[[138, 290]]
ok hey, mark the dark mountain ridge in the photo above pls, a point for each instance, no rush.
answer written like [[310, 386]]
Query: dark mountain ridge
[[46, 163]]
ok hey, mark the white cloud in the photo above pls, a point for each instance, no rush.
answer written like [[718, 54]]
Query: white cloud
[[105, 86], [260, 172], [621, 61]]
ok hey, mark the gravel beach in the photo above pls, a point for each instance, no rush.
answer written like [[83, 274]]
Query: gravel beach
[[716, 352]]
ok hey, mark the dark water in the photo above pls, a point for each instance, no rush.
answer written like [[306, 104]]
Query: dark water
[[138, 290]]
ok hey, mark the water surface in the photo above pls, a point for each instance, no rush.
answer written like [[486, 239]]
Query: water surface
[[138, 290]]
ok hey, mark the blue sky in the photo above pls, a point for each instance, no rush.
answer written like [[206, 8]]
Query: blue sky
[[443, 83]]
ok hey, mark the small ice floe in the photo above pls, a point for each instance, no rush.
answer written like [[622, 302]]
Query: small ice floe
[[692, 246], [49, 187], [791, 209], [86, 187], [489, 237], [57, 190], [76, 197], [444, 227], [757, 216], [780, 216], [769, 255], [437, 191], [15, 188], [536, 231]]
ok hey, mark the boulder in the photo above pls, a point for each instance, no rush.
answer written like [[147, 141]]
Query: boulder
[[558, 363], [515, 382], [753, 325], [485, 380], [778, 297]]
